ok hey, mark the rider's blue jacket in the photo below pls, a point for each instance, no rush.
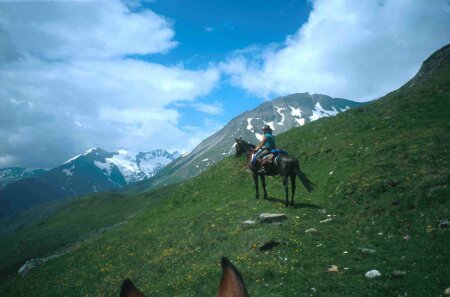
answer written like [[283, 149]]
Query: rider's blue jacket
[[270, 142]]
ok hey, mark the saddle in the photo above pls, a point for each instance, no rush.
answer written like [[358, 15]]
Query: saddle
[[271, 162]]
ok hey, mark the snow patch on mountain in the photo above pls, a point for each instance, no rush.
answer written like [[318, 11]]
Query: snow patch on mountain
[[300, 121], [136, 166], [296, 112], [106, 167], [249, 124], [89, 151], [280, 112], [68, 172], [319, 112]]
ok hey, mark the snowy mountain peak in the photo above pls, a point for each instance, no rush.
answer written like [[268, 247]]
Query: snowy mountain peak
[[9, 175]]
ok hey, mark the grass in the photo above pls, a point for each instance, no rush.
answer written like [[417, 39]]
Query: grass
[[51, 227], [382, 176]]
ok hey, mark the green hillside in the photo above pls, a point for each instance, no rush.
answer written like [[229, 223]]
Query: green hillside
[[59, 225], [382, 173]]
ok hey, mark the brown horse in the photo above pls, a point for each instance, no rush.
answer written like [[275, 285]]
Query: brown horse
[[231, 283], [288, 167]]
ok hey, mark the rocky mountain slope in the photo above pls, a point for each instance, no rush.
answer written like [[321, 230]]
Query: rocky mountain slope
[[282, 114]]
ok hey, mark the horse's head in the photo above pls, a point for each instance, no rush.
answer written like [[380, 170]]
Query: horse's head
[[239, 147], [231, 283], [242, 147]]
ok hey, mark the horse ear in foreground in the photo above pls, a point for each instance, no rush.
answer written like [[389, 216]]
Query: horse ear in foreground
[[231, 283], [129, 290]]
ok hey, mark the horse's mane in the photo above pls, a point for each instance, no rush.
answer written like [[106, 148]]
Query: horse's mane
[[248, 143]]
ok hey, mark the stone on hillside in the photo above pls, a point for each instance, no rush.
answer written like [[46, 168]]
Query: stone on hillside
[[324, 221], [311, 230], [29, 265], [447, 291], [272, 217], [444, 223], [249, 222], [398, 274], [373, 274], [367, 251], [333, 268]]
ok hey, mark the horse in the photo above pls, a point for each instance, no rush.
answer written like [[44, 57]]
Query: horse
[[231, 283], [288, 168]]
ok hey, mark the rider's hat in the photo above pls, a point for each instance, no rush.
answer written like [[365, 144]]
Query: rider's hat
[[267, 128]]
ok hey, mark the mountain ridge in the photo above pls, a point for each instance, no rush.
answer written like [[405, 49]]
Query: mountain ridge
[[92, 171], [281, 113]]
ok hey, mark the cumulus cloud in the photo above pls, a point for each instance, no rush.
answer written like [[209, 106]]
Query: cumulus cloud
[[84, 29], [68, 82], [358, 50], [212, 109]]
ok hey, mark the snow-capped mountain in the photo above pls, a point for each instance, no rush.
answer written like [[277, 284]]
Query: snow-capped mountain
[[93, 171], [11, 174], [281, 114], [133, 167]]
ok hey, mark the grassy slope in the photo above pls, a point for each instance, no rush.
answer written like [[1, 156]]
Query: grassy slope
[[389, 162], [50, 227]]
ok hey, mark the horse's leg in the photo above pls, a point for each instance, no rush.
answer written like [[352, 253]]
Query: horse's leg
[[263, 182], [293, 177], [286, 189], [255, 181]]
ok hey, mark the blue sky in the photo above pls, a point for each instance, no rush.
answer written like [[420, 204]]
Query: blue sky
[[210, 31], [169, 73]]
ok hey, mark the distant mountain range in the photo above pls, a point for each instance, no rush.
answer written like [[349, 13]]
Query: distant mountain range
[[93, 171], [282, 114], [11, 174]]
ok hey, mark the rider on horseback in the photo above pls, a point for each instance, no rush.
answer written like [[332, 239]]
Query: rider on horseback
[[264, 147]]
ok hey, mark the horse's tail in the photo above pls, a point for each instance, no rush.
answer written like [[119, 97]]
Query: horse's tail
[[307, 183]]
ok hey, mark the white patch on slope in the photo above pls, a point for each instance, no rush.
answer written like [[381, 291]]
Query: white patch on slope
[[69, 171], [149, 164], [249, 125], [77, 156], [104, 166], [280, 112], [259, 136], [296, 112], [126, 162], [320, 112], [301, 121]]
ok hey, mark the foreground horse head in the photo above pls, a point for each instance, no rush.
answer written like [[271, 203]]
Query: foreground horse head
[[288, 169], [231, 283]]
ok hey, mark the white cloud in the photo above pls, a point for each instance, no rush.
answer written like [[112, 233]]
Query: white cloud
[[352, 49], [212, 109], [67, 84], [84, 29]]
